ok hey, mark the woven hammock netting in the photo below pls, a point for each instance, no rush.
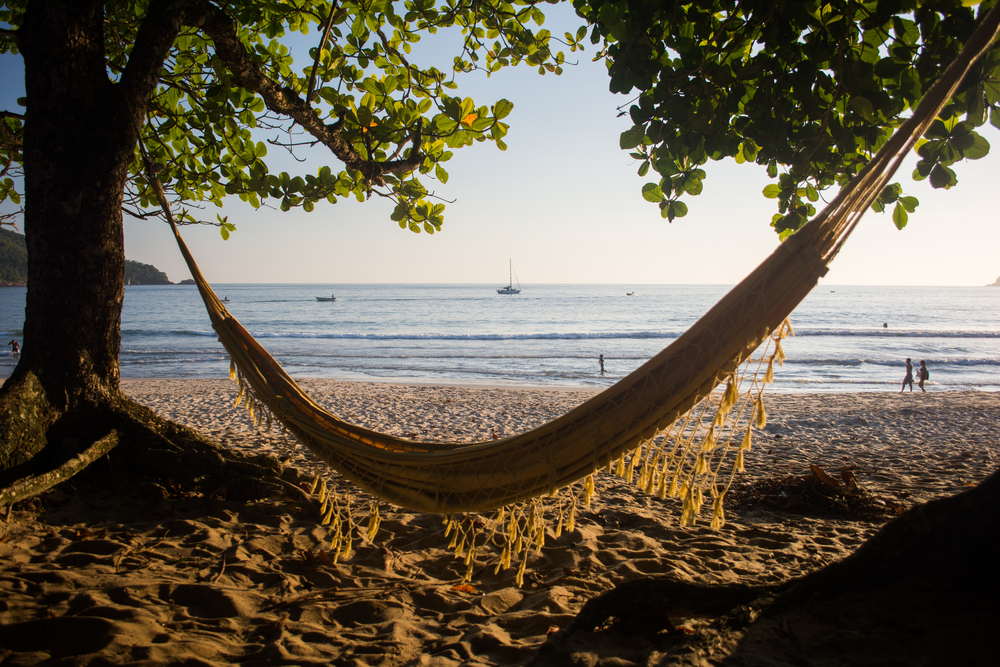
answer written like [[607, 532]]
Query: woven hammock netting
[[703, 391]]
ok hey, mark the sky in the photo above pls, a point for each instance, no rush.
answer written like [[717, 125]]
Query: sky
[[563, 203]]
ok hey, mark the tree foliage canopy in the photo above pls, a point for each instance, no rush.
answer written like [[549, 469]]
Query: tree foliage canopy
[[224, 78], [809, 89]]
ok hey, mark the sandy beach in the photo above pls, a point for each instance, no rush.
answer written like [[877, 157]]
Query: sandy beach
[[174, 579]]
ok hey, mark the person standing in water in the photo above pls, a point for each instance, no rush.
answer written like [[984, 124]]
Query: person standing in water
[[600, 360], [922, 375], [909, 376]]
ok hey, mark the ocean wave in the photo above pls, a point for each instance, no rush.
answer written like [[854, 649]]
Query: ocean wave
[[896, 333], [173, 353], [792, 362], [481, 375], [570, 335], [433, 336], [431, 355]]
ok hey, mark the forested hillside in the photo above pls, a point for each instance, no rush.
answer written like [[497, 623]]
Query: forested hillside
[[144, 274], [14, 264], [13, 258]]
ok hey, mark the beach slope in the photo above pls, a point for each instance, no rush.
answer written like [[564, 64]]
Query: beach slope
[[97, 576]]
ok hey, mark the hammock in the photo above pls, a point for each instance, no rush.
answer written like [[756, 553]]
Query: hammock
[[450, 477]]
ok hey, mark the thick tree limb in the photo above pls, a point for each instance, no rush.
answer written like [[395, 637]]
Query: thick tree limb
[[286, 101], [158, 32]]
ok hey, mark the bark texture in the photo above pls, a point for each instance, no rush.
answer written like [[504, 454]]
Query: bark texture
[[80, 135]]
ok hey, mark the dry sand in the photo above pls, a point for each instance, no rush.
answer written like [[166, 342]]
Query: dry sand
[[98, 579]]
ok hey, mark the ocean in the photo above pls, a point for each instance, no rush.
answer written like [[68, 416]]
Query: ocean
[[548, 335]]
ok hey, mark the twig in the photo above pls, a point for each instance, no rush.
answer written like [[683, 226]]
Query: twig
[[319, 51]]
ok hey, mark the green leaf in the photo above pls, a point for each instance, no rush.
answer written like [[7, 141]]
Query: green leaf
[[942, 177], [502, 109], [863, 106], [440, 173], [890, 68], [899, 216], [651, 192], [631, 137], [909, 203], [977, 148], [693, 185], [676, 209], [890, 193]]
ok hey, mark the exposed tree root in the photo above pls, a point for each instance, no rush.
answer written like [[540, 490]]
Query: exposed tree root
[[25, 417], [111, 440], [33, 485], [923, 590], [625, 624]]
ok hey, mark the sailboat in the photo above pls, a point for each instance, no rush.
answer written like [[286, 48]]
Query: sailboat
[[509, 289]]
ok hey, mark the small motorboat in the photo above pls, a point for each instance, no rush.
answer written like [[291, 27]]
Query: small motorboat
[[326, 298], [629, 293]]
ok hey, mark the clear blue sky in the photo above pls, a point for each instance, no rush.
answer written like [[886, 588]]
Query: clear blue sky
[[564, 203]]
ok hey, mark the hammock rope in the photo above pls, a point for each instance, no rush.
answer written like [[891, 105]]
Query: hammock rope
[[451, 477]]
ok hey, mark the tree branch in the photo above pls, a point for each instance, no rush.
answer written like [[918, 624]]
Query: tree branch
[[158, 32], [319, 50], [285, 100]]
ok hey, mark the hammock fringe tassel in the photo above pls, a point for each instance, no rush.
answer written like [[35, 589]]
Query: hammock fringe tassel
[[698, 454]]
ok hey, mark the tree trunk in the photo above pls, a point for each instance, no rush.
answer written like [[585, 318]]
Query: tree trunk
[[79, 138], [63, 397]]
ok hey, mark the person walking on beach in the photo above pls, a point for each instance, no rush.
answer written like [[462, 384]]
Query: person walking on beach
[[600, 360], [909, 376], [922, 375], [15, 348]]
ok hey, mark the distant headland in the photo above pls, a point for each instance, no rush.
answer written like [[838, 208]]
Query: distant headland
[[996, 284], [144, 274], [14, 265], [13, 258]]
